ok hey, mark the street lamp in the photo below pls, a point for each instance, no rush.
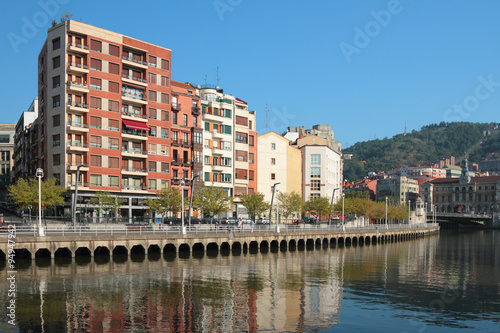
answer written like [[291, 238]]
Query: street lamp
[[386, 210], [29, 207], [191, 199], [183, 231], [39, 175], [409, 209], [434, 213], [343, 216], [75, 199], [272, 198]]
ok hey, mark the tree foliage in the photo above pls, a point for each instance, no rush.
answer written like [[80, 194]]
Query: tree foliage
[[318, 207], [24, 193], [254, 203], [371, 209], [105, 202], [290, 203], [169, 200], [212, 201]]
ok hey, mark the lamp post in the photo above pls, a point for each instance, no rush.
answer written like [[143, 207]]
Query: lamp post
[[409, 209], [386, 211], [434, 213], [191, 199], [272, 198], [29, 207], [75, 201], [343, 216], [39, 175], [183, 231]]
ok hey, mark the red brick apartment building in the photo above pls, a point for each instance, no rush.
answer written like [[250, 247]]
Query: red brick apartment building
[[110, 113]]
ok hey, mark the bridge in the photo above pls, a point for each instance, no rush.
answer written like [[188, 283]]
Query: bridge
[[63, 241], [466, 219]]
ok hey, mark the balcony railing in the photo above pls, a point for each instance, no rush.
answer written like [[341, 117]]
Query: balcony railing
[[176, 106], [141, 97], [134, 151], [134, 132], [76, 124], [133, 169], [126, 112], [131, 77], [195, 110], [74, 64], [134, 188], [85, 47], [138, 61], [78, 105], [76, 144], [78, 85], [177, 161]]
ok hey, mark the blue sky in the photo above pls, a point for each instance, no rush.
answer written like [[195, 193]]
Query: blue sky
[[364, 67]]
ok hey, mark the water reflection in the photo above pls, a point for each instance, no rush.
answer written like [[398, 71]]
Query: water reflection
[[445, 280]]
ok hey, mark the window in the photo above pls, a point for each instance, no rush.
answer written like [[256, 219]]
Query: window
[[198, 138], [152, 78], [56, 120], [174, 118], [315, 159], [56, 101], [56, 159], [96, 160], [164, 133], [315, 185], [95, 83], [273, 161], [152, 131], [251, 140], [165, 64], [315, 172], [152, 95], [273, 176], [114, 106], [113, 162], [207, 126], [95, 45], [113, 181], [165, 98], [152, 61], [152, 166], [114, 68], [243, 121], [164, 150], [95, 122], [165, 81], [164, 167], [251, 158], [56, 140], [56, 44], [241, 137], [56, 62], [114, 50], [114, 143], [152, 113], [114, 87], [95, 102], [152, 184], [226, 129], [95, 64], [95, 141], [113, 125], [184, 119], [152, 148], [273, 146], [95, 180], [165, 115], [56, 81], [195, 121]]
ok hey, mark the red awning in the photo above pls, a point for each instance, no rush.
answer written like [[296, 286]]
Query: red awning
[[135, 125]]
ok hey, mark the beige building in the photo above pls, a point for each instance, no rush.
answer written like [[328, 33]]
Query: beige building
[[279, 162], [7, 132]]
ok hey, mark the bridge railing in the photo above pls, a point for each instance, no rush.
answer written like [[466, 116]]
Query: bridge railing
[[99, 230]]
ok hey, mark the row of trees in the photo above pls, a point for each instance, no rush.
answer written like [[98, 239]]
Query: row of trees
[[212, 201]]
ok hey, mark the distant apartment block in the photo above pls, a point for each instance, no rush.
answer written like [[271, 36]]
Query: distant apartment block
[[417, 171], [7, 132], [22, 143]]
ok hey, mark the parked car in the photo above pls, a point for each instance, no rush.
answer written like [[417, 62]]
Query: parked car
[[228, 220], [194, 220], [307, 219], [207, 220], [173, 220], [263, 220]]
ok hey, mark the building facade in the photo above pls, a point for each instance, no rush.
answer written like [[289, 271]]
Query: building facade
[[417, 171], [403, 188], [22, 142], [7, 133], [109, 114]]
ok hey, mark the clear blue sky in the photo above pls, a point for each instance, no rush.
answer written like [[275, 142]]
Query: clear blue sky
[[364, 67]]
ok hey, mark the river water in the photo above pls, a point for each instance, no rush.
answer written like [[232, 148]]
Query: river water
[[442, 283]]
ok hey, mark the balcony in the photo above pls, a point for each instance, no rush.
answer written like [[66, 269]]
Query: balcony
[[128, 113], [77, 146], [134, 171], [134, 188], [77, 127], [195, 111], [77, 87], [186, 143], [176, 142], [134, 152], [77, 47], [134, 79], [135, 98], [177, 161], [134, 62], [78, 68], [77, 107], [176, 106], [80, 186], [134, 134]]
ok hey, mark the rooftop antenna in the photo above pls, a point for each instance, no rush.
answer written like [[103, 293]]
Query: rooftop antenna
[[405, 129], [217, 76], [205, 80], [267, 129]]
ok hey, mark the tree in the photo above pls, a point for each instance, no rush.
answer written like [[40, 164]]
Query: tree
[[254, 203], [290, 203], [105, 202], [24, 193], [318, 207], [212, 201], [169, 200], [66, 16]]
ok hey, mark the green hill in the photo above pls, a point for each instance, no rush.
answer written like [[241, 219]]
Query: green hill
[[420, 147]]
